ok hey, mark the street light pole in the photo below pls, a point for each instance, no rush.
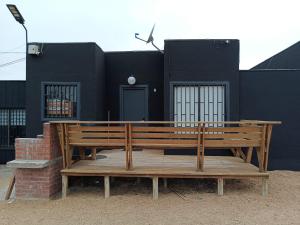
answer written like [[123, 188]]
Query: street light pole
[[26, 33]]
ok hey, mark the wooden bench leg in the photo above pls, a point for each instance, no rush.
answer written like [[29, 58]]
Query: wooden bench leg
[[81, 153], [265, 187], [155, 187], [220, 186], [106, 187], [165, 183], [94, 153], [249, 155], [64, 190]]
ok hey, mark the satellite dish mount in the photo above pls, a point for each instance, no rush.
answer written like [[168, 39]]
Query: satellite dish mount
[[149, 40]]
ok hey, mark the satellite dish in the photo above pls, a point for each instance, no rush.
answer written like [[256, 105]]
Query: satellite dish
[[150, 38]]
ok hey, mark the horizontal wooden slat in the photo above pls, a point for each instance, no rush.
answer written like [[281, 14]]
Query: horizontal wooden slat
[[164, 129], [95, 128], [232, 143], [96, 134], [92, 144], [97, 141], [164, 135], [162, 141], [234, 129], [233, 135]]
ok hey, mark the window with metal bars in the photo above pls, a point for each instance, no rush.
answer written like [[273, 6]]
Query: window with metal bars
[[199, 102], [60, 100], [12, 125]]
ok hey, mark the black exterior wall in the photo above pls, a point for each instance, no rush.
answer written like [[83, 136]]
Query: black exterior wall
[[286, 59], [146, 67], [66, 62], [275, 95], [12, 94], [202, 61], [12, 97]]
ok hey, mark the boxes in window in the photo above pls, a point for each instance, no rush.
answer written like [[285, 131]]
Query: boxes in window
[[59, 107]]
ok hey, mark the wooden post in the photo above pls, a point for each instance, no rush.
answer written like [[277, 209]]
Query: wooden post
[[220, 186], [264, 186], [155, 187], [106, 187], [165, 183], [94, 153], [262, 149], [10, 188], [268, 139], [199, 147], [64, 190], [249, 154], [127, 146], [81, 153], [130, 145]]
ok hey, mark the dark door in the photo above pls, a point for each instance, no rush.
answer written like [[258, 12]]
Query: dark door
[[134, 103]]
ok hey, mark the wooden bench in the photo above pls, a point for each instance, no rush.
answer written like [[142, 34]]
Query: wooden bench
[[247, 135], [82, 135]]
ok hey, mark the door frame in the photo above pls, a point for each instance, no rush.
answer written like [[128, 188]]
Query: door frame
[[134, 87]]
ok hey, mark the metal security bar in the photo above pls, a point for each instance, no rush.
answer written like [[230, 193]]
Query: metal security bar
[[60, 100], [199, 103], [12, 125]]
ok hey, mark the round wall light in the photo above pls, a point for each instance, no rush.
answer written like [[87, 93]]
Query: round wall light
[[131, 80]]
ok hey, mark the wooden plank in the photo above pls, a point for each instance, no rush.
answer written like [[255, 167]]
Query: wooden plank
[[64, 186], [248, 129], [268, 140], [249, 154], [75, 141], [106, 187], [220, 186], [262, 149], [165, 135], [94, 153], [199, 147], [81, 153], [232, 143], [127, 163], [164, 141], [10, 187], [155, 187], [75, 128], [80, 135], [130, 146], [163, 129]]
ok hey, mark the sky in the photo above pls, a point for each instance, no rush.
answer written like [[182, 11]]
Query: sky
[[264, 27]]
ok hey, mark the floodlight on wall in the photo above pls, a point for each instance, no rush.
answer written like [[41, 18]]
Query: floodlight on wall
[[131, 80]]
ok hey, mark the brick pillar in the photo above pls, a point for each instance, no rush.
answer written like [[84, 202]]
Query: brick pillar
[[38, 162]]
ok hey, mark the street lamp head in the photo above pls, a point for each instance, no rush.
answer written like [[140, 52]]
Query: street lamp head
[[16, 14]]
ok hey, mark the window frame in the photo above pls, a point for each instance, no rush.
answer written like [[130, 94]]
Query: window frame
[[78, 105], [201, 83]]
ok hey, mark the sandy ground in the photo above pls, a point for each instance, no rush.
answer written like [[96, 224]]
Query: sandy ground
[[184, 202]]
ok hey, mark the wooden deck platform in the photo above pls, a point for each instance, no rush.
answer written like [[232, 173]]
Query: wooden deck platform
[[154, 164]]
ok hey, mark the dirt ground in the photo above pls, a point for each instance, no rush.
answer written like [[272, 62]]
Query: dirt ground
[[183, 202]]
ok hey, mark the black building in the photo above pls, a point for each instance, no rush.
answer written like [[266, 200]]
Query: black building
[[192, 80]]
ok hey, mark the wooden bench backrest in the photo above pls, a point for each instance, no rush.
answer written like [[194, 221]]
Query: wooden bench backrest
[[241, 136], [164, 137], [97, 135]]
